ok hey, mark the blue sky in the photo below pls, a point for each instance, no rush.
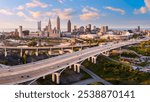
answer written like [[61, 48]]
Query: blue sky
[[114, 13]]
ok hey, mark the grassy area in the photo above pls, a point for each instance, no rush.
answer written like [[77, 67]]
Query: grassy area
[[129, 54], [142, 48], [143, 64], [117, 73]]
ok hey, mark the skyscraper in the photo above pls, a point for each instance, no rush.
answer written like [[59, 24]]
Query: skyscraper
[[20, 31], [69, 26], [39, 26], [49, 27], [104, 29], [58, 24], [89, 27], [139, 29]]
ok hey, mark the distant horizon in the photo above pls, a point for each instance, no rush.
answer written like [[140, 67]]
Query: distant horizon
[[115, 13], [64, 29]]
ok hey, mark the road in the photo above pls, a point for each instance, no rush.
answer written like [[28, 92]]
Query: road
[[43, 48], [85, 82], [94, 76], [31, 71]]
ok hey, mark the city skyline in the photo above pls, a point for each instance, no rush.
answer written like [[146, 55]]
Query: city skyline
[[116, 14]]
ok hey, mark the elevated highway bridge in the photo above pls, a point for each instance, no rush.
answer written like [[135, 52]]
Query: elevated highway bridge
[[27, 72]]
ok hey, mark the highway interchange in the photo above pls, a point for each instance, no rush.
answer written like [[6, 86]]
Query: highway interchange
[[22, 73]]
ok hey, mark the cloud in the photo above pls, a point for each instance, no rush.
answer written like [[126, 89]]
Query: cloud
[[21, 7], [33, 4], [21, 14], [36, 3], [121, 11], [35, 14], [63, 14], [27, 18], [147, 4], [89, 13], [142, 10], [5, 12], [61, 1]]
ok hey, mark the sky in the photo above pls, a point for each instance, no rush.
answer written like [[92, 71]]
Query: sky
[[114, 13]]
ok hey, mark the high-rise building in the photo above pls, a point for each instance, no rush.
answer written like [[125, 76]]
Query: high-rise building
[[49, 27], [20, 31], [89, 27], [69, 26], [139, 29], [39, 26], [82, 29], [104, 29], [58, 24], [16, 32]]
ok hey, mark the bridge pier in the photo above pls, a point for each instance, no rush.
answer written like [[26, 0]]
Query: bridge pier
[[37, 52], [61, 51], [107, 53], [80, 49], [94, 59], [5, 53], [50, 52], [43, 77], [71, 51], [56, 78], [21, 53], [26, 52], [77, 68], [70, 67], [89, 59], [72, 48]]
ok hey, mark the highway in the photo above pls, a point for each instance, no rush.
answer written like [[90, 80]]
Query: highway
[[42, 48], [31, 71]]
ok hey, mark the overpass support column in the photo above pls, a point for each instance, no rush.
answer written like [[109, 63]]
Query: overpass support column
[[43, 77], [56, 77], [89, 59], [53, 77], [94, 59], [50, 52], [71, 51], [21, 53], [37, 52], [5, 52], [80, 49], [70, 67], [107, 53], [77, 68], [61, 51]]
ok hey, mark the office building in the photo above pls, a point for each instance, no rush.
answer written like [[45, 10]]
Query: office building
[[39, 26], [20, 31], [58, 24], [69, 26]]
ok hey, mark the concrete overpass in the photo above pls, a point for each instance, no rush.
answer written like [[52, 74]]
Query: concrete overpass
[[35, 70], [49, 49]]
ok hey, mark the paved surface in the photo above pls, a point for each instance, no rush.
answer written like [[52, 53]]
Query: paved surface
[[42, 48], [94, 76], [85, 82], [31, 71]]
